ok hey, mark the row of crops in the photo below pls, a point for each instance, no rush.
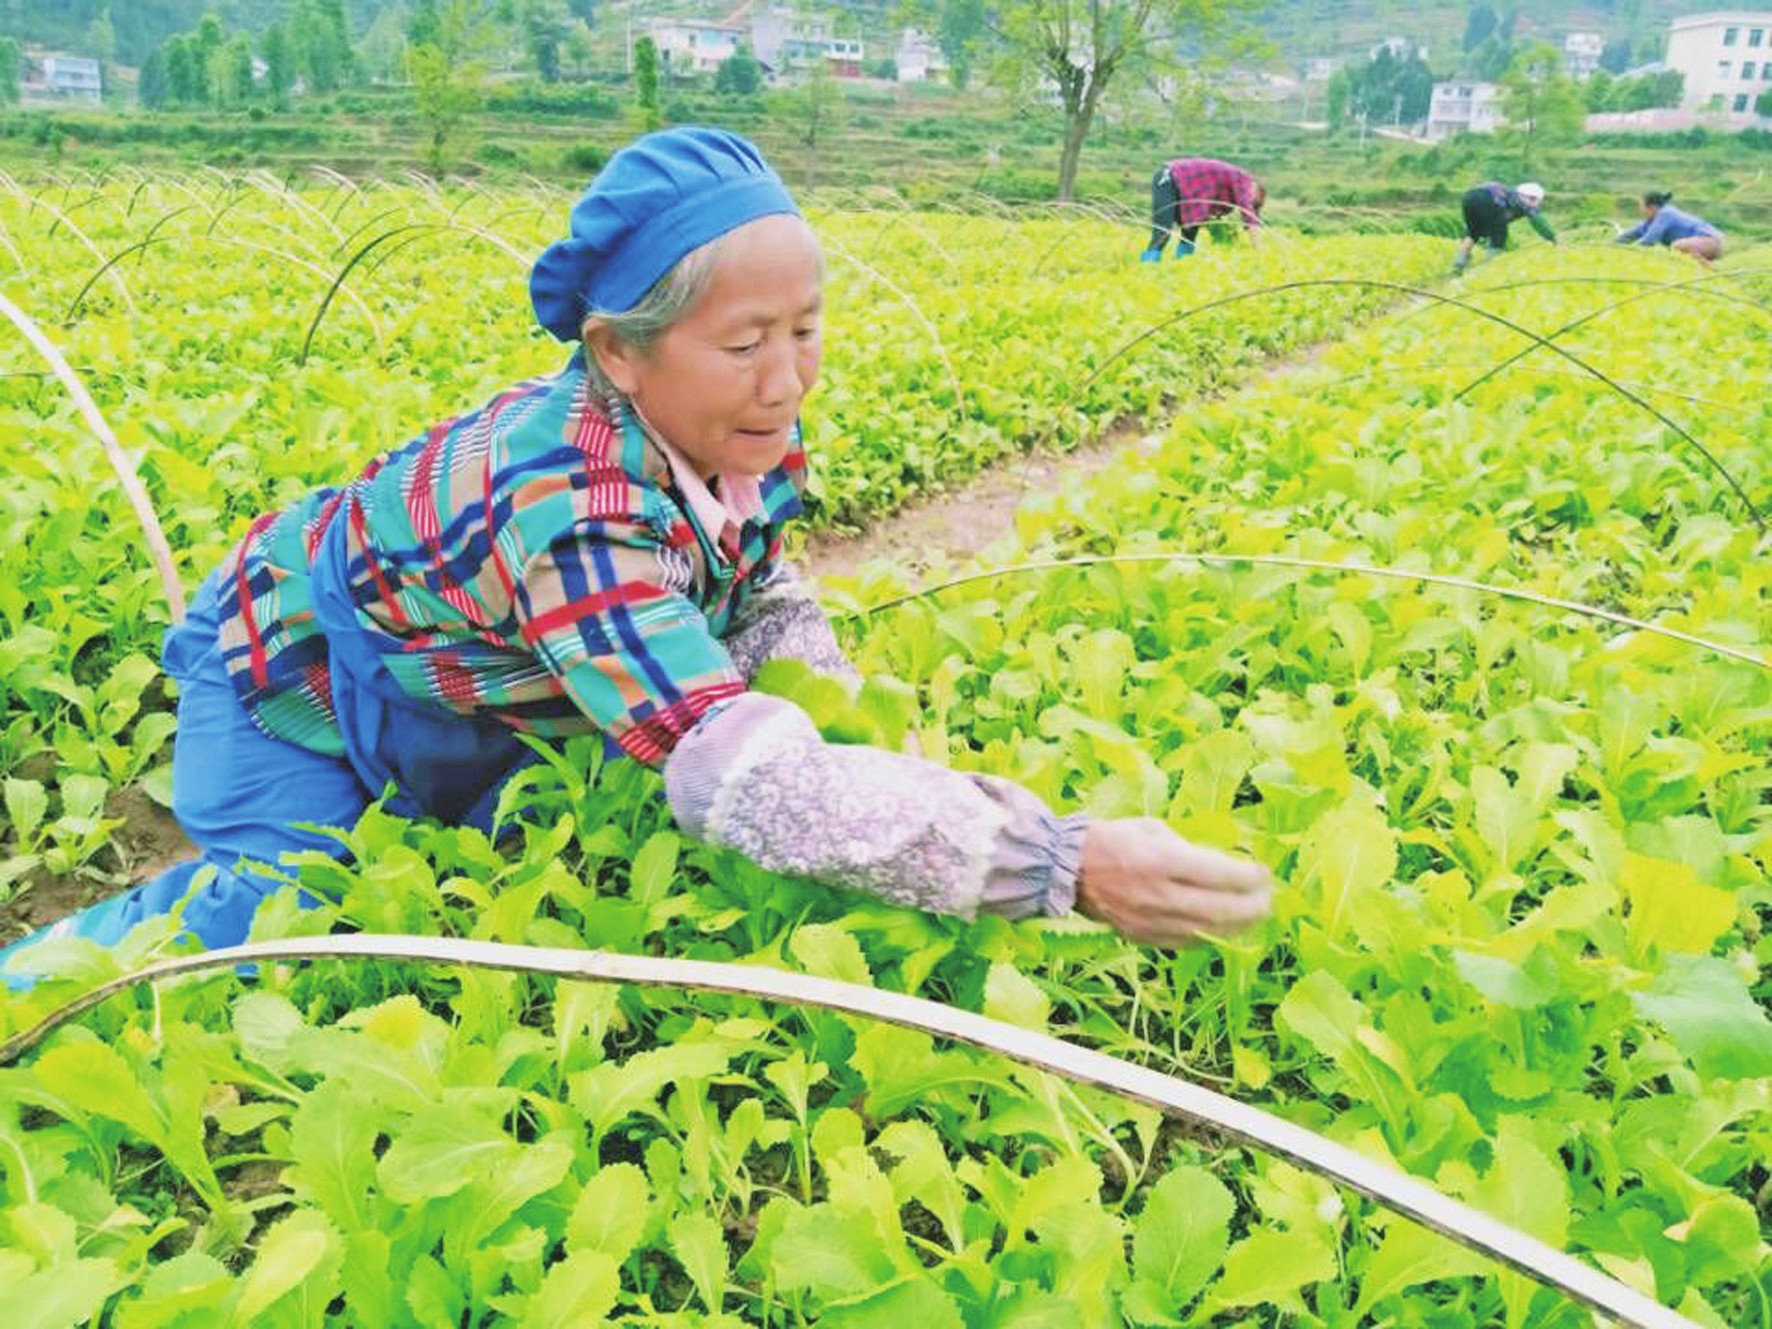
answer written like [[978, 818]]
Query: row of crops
[[1519, 947]]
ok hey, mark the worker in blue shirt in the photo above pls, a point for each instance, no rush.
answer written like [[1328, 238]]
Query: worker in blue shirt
[[1664, 224]]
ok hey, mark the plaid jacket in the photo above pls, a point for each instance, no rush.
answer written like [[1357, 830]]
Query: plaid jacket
[[1207, 188], [532, 560]]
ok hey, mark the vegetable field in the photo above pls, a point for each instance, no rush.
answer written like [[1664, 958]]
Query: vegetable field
[[1474, 655]]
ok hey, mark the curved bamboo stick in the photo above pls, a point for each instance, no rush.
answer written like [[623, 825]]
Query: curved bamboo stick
[[1177, 1097], [126, 472], [1321, 565]]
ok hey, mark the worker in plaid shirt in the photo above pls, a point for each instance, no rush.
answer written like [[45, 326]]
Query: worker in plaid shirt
[[1192, 191], [599, 551]]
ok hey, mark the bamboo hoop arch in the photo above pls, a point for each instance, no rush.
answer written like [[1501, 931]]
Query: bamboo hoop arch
[[1171, 1095]]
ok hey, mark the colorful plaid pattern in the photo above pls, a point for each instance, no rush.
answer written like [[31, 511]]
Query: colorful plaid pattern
[[532, 560], [1209, 188]]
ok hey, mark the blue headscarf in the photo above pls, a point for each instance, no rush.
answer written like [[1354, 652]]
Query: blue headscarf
[[656, 200]]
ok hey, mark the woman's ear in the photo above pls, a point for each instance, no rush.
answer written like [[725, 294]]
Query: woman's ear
[[615, 359]]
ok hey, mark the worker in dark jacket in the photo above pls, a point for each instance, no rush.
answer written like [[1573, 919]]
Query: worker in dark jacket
[[1490, 209]]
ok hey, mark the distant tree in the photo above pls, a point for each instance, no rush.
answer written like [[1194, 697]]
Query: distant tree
[[425, 27], [646, 82], [959, 28], [1479, 25], [186, 83], [546, 24], [739, 75], [1081, 48], [1490, 57], [1384, 90], [585, 11], [150, 81], [279, 54], [1538, 97], [815, 107], [206, 44], [12, 56], [1647, 91], [338, 25], [322, 43], [1615, 55], [381, 55], [1336, 97], [230, 73], [445, 92], [101, 40], [447, 80], [1763, 104], [1596, 90], [579, 50]]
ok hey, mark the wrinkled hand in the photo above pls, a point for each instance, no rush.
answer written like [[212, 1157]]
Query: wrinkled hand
[[1155, 888]]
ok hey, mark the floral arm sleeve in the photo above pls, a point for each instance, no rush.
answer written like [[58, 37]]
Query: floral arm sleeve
[[781, 620], [755, 776]]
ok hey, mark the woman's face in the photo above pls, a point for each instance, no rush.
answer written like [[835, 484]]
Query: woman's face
[[724, 383], [1648, 208]]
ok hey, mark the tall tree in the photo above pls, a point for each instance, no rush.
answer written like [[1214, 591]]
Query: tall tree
[[12, 57], [1479, 24], [101, 41], [206, 44], [446, 79], [425, 27], [230, 73], [1387, 89], [1539, 98], [646, 82], [187, 83], [150, 82], [546, 25], [280, 70], [739, 75], [1080, 47], [959, 29], [322, 43]]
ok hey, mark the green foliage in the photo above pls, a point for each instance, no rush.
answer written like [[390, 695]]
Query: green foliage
[[546, 26], [1539, 99], [739, 75], [1387, 89], [646, 83], [11, 65]]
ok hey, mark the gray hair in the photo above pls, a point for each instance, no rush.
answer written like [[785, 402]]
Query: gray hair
[[667, 300]]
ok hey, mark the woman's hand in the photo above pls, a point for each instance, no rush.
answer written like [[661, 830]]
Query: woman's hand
[[1155, 888]]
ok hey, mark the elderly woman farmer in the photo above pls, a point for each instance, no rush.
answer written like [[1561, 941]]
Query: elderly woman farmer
[[600, 550], [1490, 209], [1664, 224]]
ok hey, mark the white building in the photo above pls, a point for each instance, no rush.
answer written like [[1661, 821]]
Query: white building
[[1401, 48], [1581, 53], [63, 79], [918, 57], [693, 46], [1463, 108], [786, 40], [1726, 57]]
